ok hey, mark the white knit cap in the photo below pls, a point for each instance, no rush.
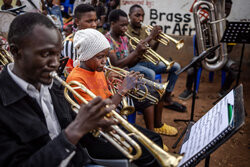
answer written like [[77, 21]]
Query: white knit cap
[[88, 43]]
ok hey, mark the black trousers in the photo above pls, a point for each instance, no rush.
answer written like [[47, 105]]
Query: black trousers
[[101, 149], [231, 68]]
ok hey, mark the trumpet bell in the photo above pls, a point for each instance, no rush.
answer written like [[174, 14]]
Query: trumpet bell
[[127, 110], [180, 44], [165, 39]]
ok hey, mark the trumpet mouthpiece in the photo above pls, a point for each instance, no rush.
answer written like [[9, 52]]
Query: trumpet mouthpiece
[[53, 74]]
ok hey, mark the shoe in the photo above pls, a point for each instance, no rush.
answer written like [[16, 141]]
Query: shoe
[[166, 130], [176, 107], [185, 95], [165, 148]]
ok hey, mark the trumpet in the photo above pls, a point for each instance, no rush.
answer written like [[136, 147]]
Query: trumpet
[[150, 54], [121, 139], [165, 39], [137, 93], [5, 57]]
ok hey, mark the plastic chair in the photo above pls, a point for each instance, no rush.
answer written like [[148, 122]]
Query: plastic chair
[[158, 77], [211, 74], [132, 117]]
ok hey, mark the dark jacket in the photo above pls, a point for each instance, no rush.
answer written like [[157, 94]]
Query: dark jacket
[[24, 136]]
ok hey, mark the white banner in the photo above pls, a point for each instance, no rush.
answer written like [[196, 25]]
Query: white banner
[[240, 11], [175, 17]]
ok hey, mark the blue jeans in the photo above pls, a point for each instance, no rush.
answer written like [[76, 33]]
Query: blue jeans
[[150, 70]]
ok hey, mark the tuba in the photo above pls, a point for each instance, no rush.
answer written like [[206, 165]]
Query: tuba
[[210, 31], [120, 139], [150, 54], [165, 39]]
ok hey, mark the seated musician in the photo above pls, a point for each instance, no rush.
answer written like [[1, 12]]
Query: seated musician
[[37, 125], [84, 17], [122, 55], [89, 72]]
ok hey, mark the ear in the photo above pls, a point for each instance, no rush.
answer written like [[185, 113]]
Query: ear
[[112, 23], [76, 22], [15, 51]]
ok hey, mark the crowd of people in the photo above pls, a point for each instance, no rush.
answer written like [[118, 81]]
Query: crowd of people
[[38, 127]]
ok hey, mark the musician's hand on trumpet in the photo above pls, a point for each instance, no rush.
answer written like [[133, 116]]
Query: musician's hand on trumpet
[[125, 85], [129, 82], [154, 34], [141, 48], [89, 117]]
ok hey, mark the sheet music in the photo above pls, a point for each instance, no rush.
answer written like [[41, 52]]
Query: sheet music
[[206, 129]]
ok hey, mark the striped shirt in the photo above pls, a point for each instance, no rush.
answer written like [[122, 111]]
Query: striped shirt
[[70, 52], [68, 48]]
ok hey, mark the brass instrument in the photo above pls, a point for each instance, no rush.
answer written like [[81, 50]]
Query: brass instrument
[[164, 158], [137, 93], [120, 139], [150, 54], [126, 108], [209, 32], [165, 39], [5, 57]]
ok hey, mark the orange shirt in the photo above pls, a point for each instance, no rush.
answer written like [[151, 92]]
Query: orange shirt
[[94, 81]]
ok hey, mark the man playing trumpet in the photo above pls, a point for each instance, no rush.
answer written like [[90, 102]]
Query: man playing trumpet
[[135, 29]]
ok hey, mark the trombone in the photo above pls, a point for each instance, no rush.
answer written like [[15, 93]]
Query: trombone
[[136, 92], [150, 54], [121, 139], [165, 39]]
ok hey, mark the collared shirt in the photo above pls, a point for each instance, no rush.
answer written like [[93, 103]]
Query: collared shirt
[[141, 34], [44, 100]]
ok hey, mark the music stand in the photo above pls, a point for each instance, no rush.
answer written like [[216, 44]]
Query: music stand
[[237, 32], [193, 64], [239, 120]]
